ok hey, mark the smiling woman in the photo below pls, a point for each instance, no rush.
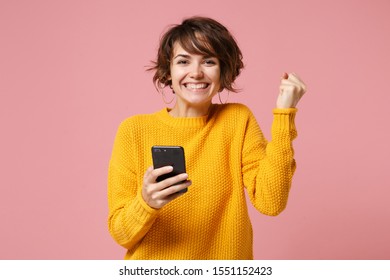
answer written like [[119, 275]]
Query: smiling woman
[[202, 36], [225, 153]]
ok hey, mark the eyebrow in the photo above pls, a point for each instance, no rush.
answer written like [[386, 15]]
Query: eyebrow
[[188, 56], [182, 55]]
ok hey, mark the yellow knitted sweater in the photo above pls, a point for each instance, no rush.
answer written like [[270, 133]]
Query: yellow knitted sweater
[[225, 152]]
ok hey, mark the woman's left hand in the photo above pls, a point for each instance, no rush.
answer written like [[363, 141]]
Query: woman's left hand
[[291, 91]]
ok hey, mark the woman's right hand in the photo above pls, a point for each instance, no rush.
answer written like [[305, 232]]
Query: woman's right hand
[[158, 194]]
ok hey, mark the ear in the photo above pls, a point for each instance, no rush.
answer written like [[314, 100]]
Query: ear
[[166, 79]]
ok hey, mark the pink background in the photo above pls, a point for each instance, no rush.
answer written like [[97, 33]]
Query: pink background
[[71, 71]]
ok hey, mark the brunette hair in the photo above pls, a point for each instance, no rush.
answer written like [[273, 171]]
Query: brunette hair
[[204, 36]]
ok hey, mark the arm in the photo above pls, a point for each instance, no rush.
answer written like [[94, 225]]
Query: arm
[[268, 167], [130, 218], [134, 206]]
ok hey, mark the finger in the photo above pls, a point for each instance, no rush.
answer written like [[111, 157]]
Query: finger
[[286, 89], [175, 188], [155, 173], [289, 87], [294, 75], [161, 198], [296, 79], [172, 181], [289, 82], [298, 86], [148, 171]]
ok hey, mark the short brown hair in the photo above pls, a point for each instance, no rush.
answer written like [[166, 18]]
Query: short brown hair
[[199, 35]]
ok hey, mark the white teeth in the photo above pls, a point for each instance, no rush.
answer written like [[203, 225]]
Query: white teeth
[[196, 86]]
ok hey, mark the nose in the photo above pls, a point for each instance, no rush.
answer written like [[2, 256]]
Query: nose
[[196, 71]]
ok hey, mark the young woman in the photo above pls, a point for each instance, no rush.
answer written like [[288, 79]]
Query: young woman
[[225, 152]]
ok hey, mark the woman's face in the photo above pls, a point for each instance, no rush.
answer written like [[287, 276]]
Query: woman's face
[[195, 78]]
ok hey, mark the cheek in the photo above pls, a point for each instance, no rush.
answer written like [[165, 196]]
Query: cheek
[[216, 77], [176, 76]]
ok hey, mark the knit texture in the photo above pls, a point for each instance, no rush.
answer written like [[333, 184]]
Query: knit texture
[[225, 152]]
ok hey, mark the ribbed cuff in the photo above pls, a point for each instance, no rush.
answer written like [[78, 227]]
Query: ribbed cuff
[[142, 210], [286, 111], [284, 120]]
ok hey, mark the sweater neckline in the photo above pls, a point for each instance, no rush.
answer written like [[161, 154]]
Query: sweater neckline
[[184, 121]]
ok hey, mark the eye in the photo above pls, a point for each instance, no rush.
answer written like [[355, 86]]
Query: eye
[[210, 62], [182, 61]]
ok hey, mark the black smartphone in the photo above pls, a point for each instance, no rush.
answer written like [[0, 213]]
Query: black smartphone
[[169, 156]]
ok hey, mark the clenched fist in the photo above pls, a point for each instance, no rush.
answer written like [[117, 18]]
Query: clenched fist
[[291, 91]]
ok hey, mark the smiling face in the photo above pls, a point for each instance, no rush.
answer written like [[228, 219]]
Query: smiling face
[[195, 79]]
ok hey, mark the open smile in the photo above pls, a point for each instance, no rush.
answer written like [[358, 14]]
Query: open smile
[[196, 86]]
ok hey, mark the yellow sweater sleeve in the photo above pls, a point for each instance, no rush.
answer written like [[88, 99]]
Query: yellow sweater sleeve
[[130, 217], [268, 167]]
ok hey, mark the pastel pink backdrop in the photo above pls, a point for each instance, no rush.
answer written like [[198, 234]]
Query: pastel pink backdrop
[[71, 71]]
